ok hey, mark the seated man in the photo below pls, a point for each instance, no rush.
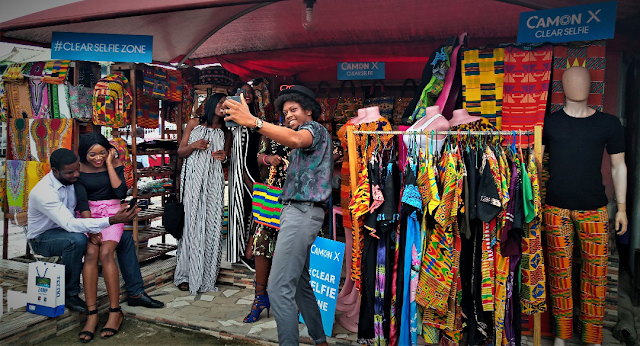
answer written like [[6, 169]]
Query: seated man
[[54, 231]]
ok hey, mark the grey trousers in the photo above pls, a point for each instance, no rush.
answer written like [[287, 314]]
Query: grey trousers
[[289, 278]]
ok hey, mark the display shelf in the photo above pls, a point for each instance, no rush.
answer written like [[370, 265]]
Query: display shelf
[[154, 194], [156, 152], [144, 234], [153, 251], [155, 171], [151, 213]]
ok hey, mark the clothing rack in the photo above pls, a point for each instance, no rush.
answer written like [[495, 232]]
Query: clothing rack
[[537, 147]]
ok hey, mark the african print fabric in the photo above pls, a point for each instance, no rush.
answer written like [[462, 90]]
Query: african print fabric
[[48, 135], [174, 78], [264, 108], [19, 99], [54, 105], [18, 133], [16, 186], [593, 58], [35, 171], [147, 112], [592, 227], [80, 98], [482, 83], [13, 72], [527, 75], [111, 100], [55, 71], [63, 101], [433, 89], [4, 115], [39, 98]]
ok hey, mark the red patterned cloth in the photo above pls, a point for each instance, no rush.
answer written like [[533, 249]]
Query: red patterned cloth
[[147, 112], [526, 87], [591, 57]]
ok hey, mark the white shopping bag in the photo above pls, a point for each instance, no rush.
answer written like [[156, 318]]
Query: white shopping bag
[[45, 289]]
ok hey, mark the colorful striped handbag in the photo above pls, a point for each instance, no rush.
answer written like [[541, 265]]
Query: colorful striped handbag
[[266, 207]]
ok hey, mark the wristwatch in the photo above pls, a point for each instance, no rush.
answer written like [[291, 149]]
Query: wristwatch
[[258, 125]]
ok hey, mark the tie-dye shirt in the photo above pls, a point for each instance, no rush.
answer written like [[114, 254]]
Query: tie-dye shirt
[[310, 169]]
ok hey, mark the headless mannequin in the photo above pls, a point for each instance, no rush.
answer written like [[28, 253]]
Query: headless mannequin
[[349, 298], [461, 116], [576, 82], [432, 121]]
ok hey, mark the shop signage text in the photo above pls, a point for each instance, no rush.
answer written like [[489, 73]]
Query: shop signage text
[[101, 47], [325, 266], [360, 70], [566, 24]]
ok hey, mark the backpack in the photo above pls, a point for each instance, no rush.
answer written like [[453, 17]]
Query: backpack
[[111, 100]]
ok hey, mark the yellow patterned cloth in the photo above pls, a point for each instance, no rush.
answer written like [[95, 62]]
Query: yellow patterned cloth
[[13, 72], [482, 83]]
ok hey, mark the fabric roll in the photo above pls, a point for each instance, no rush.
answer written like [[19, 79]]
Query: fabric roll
[[593, 58], [526, 87], [19, 139], [39, 98], [482, 83], [16, 183]]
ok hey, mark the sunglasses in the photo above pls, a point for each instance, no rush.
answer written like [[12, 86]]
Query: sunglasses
[[285, 87]]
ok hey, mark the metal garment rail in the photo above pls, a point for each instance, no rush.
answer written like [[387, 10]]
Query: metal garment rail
[[457, 132], [537, 148]]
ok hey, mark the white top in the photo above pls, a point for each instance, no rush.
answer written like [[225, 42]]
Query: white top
[[52, 204], [422, 140]]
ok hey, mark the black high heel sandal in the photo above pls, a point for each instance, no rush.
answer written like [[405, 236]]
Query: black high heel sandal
[[86, 332], [113, 331]]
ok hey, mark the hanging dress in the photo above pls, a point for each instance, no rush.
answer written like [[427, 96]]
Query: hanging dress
[[200, 248]]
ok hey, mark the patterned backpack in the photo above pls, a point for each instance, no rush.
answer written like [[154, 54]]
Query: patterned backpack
[[123, 154], [111, 100]]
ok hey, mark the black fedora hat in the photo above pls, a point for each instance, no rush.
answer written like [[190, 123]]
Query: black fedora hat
[[304, 91]]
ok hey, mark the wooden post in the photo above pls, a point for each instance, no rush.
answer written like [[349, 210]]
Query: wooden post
[[537, 147], [132, 115]]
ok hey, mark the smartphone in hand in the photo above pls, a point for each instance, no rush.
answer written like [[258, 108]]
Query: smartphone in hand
[[133, 203], [237, 98]]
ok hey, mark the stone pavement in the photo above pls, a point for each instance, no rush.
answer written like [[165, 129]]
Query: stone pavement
[[221, 314]]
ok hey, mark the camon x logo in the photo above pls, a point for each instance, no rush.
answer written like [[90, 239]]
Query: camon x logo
[[594, 16]]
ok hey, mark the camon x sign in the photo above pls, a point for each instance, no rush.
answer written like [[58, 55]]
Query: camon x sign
[[576, 23]]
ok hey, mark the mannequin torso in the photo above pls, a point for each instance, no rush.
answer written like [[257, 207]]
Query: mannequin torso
[[461, 116]]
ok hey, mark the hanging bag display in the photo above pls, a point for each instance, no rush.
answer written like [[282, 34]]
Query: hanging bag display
[[403, 101], [347, 107], [384, 102], [326, 117], [111, 100], [80, 102], [265, 204]]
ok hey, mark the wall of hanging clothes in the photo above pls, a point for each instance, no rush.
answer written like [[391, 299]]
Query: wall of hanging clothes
[[37, 107], [453, 242]]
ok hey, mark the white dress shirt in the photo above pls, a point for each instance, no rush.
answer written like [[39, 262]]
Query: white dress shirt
[[52, 205]]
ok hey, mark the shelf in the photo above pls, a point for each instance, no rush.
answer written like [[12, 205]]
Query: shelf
[[155, 152], [153, 251], [155, 171], [149, 233], [150, 213], [155, 194]]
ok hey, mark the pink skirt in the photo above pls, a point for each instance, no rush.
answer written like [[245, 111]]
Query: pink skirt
[[106, 208]]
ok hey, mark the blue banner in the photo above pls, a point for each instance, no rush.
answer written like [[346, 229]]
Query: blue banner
[[360, 70], [325, 267], [566, 24], [101, 47]]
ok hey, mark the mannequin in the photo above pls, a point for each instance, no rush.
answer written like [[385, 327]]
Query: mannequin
[[461, 116], [349, 298], [432, 121], [576, 138]]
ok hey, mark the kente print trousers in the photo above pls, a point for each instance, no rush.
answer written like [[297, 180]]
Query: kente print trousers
[[592, 228]]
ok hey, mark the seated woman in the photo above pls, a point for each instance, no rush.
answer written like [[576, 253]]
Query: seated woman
[[205, 145], [99, 189]]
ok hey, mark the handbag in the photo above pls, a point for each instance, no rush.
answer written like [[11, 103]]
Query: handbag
[[385, 103], [347, 107], [326, 116], [265, 204], [402, 102], [173, 216]]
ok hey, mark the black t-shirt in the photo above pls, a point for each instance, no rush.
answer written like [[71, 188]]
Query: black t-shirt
[[97, 187], [576, 147]]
